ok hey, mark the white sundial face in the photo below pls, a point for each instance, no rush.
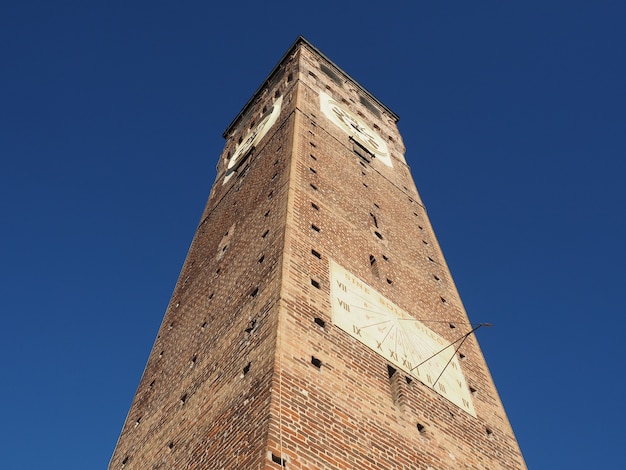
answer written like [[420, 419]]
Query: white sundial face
[[253, 137], [391, 332], [355, 127]]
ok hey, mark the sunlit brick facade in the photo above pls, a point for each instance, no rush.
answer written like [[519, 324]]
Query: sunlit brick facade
[[254, 366]]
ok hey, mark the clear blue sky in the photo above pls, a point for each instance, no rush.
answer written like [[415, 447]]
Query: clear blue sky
[[111, 115]]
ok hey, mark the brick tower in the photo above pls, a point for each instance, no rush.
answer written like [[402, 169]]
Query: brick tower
[[315, 324]]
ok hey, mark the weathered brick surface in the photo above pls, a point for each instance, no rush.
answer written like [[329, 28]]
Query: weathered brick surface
[[230, 381]]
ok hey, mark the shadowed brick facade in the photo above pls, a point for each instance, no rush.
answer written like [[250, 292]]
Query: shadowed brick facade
[[248, 370]]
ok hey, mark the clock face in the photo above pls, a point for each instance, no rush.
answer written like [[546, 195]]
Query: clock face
[[391, 332], [253, 137], [355, 128]]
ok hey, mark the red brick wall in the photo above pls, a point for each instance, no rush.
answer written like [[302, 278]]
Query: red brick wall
[[230, 381]]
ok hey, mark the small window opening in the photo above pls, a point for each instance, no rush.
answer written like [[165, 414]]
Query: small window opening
[[315, 227], [254, 292], [261, 258], [312, 170], [389, 281], [315, 206], [420, 227], [265, 234], [315, 284], [361, 151], [408, 379], [437, 278], [374, 267], [424, 242], [203, 326], [489, 432], [378, 235], [218, 270], [330, 73], [267, 213], [452, 326], [125, 461], [313, 75], [183, 399], [270, 195], [171, 445], [313, 157], [376, 206], [431, 260], [313, 186], [316, 362], [462, 356], [194, 359], [290, 77], [278, 460], [251, 326], [365, 185], [274, 176], [374, 220], [312, 144], [443, 300], [316, 254], [319, 321], [152, 383], [247, 368], [211, 295], [390, 371], [385, 258], [421, 428], [472, 390]]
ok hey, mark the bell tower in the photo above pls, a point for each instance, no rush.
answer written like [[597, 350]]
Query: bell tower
[[315, 323]]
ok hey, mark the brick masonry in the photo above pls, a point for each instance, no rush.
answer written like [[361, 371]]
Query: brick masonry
[[248, 370]]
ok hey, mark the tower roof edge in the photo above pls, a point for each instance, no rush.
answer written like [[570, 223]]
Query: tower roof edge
[[299, 42]]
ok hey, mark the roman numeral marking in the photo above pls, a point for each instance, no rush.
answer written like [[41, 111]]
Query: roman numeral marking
[[356, 330], [342, 286], [344, 305]]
